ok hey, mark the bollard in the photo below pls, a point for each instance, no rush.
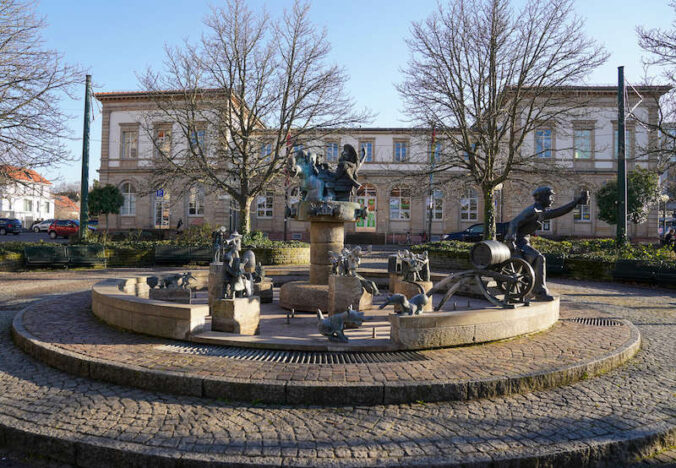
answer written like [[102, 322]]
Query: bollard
[[455, 306], [293, 313], [469, 306], [373, 335], [287, 317]]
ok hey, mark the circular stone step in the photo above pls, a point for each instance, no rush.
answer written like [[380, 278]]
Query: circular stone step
[[63, 333]]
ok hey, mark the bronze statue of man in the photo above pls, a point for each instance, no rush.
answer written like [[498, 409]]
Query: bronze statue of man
[[529, 221]]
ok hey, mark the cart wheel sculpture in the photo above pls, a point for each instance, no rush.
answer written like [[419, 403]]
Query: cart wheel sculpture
[[508, 283]]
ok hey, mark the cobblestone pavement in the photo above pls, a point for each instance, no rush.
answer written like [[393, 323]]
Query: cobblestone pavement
[[573, 423], [68, 324]]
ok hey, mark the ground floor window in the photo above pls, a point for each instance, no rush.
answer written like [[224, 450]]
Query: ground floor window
[[366, 197], [582, 213], [162, 210], [400, 204], [196, 201], [129, 195], [436, 205], [469, 206], [264, 205]]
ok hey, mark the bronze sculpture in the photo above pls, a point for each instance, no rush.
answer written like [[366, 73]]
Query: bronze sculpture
[[529, 221]]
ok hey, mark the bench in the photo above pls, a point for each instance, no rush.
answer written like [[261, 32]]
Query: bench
[[86, 255], [39, 255], [172, 254], [555, 263], [635, 270], [666, 276]]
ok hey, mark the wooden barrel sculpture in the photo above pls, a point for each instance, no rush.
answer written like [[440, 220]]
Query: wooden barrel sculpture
[[488, 253]]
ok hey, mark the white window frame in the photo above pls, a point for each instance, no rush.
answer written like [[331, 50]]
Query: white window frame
[[129, 142], [398, 196], [163, 134], [582, 213], [578, 152], [469, 205], [264, 205], [544, 135], [128, 207], [437, 207], [196, 201], [369, 145], [401, 152], [332, 151]]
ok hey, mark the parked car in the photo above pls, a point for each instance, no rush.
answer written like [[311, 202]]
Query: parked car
[[12, 225], [42, 225], [475, 233], [63, 228], [93, 224]]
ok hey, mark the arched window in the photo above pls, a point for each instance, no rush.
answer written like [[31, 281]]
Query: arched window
[[469, 205], [437, 205], [162, 209], [400, 203], [129, 194], [582, 213], [366, 197]]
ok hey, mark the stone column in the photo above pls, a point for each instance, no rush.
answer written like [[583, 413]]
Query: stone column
[[215, 284], [324, 237]]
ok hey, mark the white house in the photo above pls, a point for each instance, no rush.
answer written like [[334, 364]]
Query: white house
[[25, 195]]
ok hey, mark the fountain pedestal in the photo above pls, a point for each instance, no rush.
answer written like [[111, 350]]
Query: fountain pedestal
[[327, 232]]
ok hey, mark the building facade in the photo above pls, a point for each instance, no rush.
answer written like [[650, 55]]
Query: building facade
[[25, 195], [394, 187]]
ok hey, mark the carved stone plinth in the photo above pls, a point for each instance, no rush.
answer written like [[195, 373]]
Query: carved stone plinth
[[394, 279], [409, 290], [182, 296], [264, 290], [346, 291], [240, 315], [215, 283]]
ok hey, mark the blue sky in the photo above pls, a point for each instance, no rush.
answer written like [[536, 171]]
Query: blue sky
[[115, 40]]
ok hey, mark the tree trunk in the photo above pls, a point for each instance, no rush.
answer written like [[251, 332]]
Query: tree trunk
[[244, 215], [489, 212]]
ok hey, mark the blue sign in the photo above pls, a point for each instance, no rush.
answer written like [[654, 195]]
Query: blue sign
[[160, 193]]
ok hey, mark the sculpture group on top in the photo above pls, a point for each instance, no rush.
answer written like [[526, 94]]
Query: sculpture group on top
[[346, 263], [239, 272], [319, 182]]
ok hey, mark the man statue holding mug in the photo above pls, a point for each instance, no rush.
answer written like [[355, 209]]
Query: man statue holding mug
[[529, 221]]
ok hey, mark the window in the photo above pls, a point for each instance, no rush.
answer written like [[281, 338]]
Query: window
[[292, 196], [400, 204], [543, 143], [465, 154], [332, 152], [469, 206], [545, 226], [198, 139], [437, 206], [628, 143], [367, 198], [582, 213], [129, 147], [266, 152], [46, 207], [367, 146], [196, 201], [582, 144], [400, 151], [264, 205], [163, 142], [162, 211], [28, 205], [129, 205]]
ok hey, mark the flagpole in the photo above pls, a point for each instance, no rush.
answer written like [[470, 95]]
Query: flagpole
[[430, 202]]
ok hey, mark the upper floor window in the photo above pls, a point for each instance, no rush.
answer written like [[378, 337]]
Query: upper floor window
[[198, 138], [163, 142], [196, 201], [46, 207], [543, 143], [367, 147], [400, 151], [435, 152], [628, 143], [582, 143], [400, 204], [266, 152], [582, 213], [469, 206], [129, 144], [332, 151], [128, 207], [264, 205], [28, 205]]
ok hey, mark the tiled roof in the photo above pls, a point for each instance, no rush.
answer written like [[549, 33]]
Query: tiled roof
[[63, 201], [23, 174]]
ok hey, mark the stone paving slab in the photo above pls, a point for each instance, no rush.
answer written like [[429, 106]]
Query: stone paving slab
[[63, 333]]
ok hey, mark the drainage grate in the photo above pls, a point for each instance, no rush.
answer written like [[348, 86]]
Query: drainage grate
[[597, 322], [299, 357]]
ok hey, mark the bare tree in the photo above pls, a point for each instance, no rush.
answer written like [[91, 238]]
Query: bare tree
[[33, 80], [485, 76], [248, 91], [661, 47]]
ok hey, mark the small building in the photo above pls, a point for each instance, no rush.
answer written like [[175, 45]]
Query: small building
[[25, 195]]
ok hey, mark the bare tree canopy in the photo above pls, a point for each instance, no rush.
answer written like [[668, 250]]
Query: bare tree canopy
[[248, 90], [485, 76], [661, 47], [32, 82]]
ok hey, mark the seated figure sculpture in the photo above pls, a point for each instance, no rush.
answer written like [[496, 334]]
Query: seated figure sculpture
[[346, 263], [414, 267], [238, 282], [529, 221]]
